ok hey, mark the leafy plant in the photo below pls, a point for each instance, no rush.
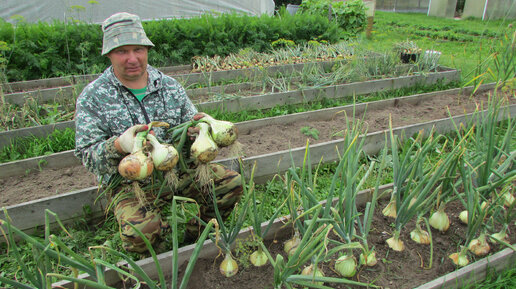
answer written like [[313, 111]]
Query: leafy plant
[[350, 15], [407, 47], [310, 131]]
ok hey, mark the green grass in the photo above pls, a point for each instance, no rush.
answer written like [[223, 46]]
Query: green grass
[[57, 141], [501, 280], [463, 43]]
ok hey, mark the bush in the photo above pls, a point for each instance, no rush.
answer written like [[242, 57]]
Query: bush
[[349, 15], [45, 50]]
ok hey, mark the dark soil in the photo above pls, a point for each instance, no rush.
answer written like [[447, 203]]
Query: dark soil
[[407, 269], [272, 138]]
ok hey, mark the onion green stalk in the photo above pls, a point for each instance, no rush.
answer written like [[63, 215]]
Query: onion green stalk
[[227, 232], [46, 254], [491, 157], [414, 187], [259, 257], [503, 215], [476, 217]]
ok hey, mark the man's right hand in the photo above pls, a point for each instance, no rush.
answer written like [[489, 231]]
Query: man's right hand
[[125, 142]]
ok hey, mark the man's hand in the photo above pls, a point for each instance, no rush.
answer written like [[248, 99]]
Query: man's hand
[[125, 142], [194, 131], [198, 116]]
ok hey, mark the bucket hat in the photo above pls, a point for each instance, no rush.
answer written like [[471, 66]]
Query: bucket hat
[[123, 29]]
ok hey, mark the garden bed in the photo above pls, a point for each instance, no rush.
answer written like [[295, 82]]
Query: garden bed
[[265, 101], [266, 141], [45, 90], [407, 269]]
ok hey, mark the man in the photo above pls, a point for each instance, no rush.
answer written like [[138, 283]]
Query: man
[[117, 105]]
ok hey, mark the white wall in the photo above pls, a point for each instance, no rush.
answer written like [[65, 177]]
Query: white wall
[[95, 11]]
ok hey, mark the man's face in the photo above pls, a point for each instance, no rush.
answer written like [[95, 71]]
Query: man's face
[[129, 61]]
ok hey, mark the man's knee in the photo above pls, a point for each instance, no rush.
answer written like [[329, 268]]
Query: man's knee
[[145, 219]]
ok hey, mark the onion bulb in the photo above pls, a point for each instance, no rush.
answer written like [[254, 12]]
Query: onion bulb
[[479, 246], [137, 165], [439, 220], [508, 199], [228, 267], [460, 259], [463, 216], [311, 270], [164, 156], [224, 133], [258, 258], [502, 236], [395, 243], [420, 236], [369, 259], [390, 209], [291, 245], [204, 149], [346, 266]]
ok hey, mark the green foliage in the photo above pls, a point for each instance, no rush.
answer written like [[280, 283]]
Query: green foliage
[[349, 15], [310, 131], [46, 50], [282, 43], [58, 141]]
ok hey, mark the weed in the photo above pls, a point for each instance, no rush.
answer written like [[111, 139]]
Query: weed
[[311, 132]]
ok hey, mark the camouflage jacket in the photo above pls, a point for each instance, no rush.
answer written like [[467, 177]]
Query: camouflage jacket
[[106, 108]]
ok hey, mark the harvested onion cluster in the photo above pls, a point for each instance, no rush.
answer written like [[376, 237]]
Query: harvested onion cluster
[[142, 161], [212, 135]]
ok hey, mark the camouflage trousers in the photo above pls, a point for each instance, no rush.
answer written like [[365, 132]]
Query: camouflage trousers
[[147, 217]]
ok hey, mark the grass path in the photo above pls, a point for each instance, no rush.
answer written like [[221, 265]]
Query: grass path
[[463, 43]]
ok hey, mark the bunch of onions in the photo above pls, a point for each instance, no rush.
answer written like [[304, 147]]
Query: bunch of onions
[[165, 158], [479, 246], [439, 220], [346, 265], [312, 270], [203, 150], [137, 165]]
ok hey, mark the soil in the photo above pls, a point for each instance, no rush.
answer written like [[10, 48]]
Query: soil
[[407, 269], [272, 138]]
